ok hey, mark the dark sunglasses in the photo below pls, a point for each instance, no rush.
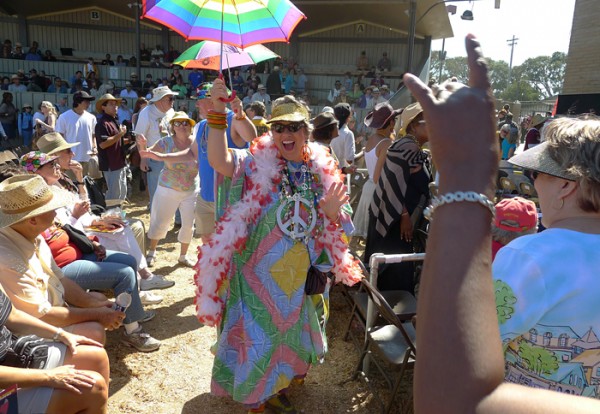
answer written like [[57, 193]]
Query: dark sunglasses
[[280, 128], [533, 174], [180, 123]]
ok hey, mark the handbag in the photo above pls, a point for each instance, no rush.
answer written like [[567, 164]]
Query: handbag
[[79, 239], [28, 351], [316, 281], [94, 168]]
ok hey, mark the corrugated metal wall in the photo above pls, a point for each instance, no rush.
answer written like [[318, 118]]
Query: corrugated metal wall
[[77, 30], [10, 28], [325, 56]]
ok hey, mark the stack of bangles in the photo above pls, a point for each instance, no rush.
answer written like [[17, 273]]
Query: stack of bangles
[[217, 120]]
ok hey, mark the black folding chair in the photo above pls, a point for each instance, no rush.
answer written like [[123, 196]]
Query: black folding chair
[[402, 302], [392, 343]]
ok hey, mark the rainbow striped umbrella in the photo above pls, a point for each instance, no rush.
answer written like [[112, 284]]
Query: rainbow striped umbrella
[[206, 55], [238, 23]]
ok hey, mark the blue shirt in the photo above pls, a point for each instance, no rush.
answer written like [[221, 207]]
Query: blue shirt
[[506, 148], [207, 173], [196, 78]]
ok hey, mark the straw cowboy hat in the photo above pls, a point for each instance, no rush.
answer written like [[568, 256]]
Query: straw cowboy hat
[[105, 98], [182, 116], [536, 120], [54, 142], [161, 92], [410, 113], [26, 196], [380, 115]]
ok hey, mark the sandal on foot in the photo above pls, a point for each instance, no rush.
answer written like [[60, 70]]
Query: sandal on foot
[[280, 404], [298, 381]]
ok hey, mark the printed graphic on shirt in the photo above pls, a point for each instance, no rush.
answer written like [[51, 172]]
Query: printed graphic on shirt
[[549, 357]]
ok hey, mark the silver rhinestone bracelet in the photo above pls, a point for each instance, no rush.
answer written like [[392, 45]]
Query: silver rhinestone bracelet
[[456, 197]]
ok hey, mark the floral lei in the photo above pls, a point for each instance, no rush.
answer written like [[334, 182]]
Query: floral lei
[[231, 232]]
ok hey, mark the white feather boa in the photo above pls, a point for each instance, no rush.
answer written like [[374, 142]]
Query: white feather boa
[[231, 232]]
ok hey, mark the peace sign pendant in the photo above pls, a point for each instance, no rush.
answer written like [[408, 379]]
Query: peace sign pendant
[[293, 225]]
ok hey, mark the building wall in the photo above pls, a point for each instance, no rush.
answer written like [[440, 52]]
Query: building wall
[[583, 60]]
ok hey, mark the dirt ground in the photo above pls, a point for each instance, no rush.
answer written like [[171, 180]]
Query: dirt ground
[[176, 378]]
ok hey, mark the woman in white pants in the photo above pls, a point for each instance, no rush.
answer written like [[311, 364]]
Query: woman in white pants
[[178, 186]]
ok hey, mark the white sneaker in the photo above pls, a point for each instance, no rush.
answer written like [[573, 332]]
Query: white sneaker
[[155, 282], [186, 261], [149, 298]]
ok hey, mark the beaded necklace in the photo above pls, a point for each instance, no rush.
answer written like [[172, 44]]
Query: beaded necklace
[[299, 192]]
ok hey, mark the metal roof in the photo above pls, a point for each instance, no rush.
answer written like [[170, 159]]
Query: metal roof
[[321, 14]]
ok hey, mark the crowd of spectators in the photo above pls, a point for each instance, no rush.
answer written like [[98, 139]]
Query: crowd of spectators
[[363, 88]]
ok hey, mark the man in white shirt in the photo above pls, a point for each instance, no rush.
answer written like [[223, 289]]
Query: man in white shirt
[[262, 95], [153, 123], [343, 146], [128, 92], [77, 126]]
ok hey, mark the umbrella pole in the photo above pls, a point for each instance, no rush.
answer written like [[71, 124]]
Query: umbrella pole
[[222, 29], [232, 97], [229, 72]]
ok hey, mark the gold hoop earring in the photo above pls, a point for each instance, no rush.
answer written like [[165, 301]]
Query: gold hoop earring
[[562, 203]]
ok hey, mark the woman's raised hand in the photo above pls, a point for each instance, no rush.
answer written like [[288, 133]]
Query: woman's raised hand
[[141, 141], [333, 200], [461, 126], [219, 90]]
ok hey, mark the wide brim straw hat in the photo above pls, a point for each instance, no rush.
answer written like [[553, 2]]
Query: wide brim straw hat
[[381, 115], [105, 98], [161, 92], [410, 113], [540, 159], [537, 119], [289, 112], [53, 142], [26, 196], [182, 116]]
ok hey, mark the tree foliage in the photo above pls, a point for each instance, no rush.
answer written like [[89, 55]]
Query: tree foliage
[[537, 78], [505, 300], [537, 359]]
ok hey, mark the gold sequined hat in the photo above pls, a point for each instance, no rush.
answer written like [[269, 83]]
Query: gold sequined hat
[[289, 112]]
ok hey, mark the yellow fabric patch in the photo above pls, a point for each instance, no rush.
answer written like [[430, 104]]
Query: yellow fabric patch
[[290, 271]]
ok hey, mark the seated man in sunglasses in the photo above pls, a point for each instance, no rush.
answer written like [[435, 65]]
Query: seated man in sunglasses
[[240, 131]]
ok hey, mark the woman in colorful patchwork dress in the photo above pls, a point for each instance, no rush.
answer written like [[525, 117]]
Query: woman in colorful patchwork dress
[[285, 211]]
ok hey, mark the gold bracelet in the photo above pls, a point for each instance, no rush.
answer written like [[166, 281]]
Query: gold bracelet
[[217, 125], [242, 117]]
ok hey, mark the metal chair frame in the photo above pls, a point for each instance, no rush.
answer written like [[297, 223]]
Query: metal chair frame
[[393, 342], [403, 303]]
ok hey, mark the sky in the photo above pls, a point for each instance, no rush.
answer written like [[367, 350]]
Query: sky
[[542, 27]]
